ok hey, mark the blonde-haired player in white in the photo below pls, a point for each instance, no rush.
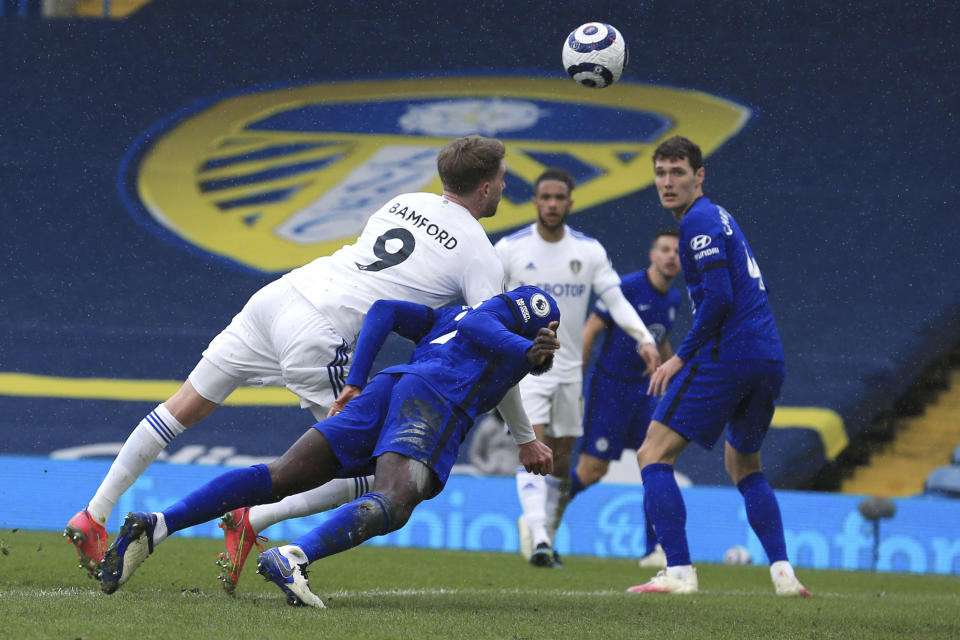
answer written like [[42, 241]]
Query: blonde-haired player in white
[[569, 265], [300, 329]]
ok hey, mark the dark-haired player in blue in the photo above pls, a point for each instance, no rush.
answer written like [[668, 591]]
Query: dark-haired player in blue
[[727, 373], [405, 426], [617, 408]]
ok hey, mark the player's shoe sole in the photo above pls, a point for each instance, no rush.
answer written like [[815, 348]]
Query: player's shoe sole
[[89, 538], [286, 567], [130, 548], [239, 538], [663, 583]]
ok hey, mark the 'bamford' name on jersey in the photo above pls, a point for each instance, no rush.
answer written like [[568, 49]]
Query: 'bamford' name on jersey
[[430, 228]]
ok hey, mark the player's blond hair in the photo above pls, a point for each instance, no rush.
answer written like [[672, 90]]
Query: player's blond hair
[[466, 163]]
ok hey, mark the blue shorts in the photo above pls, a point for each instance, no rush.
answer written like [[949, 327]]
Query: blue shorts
[[400, 413], [616, 415], [705, 397]]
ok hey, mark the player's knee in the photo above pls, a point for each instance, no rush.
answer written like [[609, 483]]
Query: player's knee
[[591, 471], [738, 473], [378, 514], [740, 465], [646, 455], [661, 446], [188, 406], [405, 483], [384, 513]]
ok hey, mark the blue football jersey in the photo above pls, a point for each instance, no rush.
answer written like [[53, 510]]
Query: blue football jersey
[[711, 239], [416, 322], [618, 352], [445, 322], [476, 362]]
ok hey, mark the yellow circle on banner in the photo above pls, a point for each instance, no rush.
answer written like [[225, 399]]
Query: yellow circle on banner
[[275, 198]]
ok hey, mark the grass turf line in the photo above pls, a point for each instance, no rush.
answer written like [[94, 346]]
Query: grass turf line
[[375, 592]]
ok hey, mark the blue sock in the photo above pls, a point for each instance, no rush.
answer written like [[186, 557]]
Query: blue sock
[[666, 512], [650, 538], [353, 523], [576, 486], [763, 514], [231, 490]]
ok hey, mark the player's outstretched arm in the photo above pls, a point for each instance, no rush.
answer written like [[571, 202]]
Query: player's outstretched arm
[[406, 319]]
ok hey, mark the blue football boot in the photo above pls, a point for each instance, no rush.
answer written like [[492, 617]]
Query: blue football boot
[[286, 567], [130, 548]]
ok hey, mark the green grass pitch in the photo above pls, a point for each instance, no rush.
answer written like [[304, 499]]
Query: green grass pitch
[[375, 592]]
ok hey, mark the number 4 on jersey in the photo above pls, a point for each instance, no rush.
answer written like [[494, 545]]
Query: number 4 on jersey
[[754, 269]]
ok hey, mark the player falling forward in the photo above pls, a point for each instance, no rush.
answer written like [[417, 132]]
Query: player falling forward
[[568, 265], [407, 424], [727, 373], [422, 247]]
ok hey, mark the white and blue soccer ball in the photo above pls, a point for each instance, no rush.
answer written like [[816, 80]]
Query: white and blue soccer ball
[[595, 55], [736, 555]]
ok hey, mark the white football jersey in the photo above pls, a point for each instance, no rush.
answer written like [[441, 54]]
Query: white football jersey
[[568, 270], [419, 247]]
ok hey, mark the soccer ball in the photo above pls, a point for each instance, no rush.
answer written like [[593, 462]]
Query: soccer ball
[[594, 55], [736, 555]]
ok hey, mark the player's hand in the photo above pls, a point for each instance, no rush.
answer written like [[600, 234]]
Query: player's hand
[[544, 345], [662, 376], [536, 457], [651, 356], [349, 392]]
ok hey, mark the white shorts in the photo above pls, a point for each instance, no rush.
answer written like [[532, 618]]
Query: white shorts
[[277, 338], [555, 404]]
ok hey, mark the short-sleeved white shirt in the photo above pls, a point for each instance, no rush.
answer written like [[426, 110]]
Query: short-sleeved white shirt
[[568, 270], [418, 247]]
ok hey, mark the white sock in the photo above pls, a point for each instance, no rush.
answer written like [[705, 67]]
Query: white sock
[[142, 447], [781, 568], [159, 529], [680, 571], [557, 495], [325, 497], [532, 491]]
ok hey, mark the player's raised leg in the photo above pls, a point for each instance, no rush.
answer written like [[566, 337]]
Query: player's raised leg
[[133, 544], [86, 529], [142, 532]]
